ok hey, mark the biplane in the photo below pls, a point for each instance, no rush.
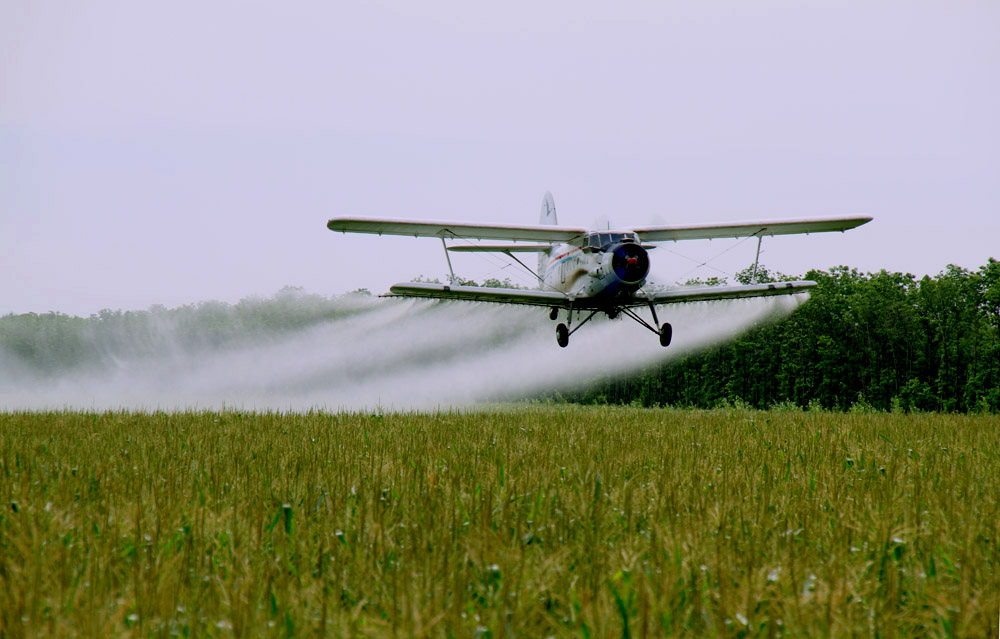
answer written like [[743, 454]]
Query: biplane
[[585, 272]]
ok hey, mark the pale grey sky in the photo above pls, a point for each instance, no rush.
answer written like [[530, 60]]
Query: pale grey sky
[[188, 151]]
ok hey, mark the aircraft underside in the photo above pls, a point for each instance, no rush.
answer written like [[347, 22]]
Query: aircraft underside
[[563, 331]]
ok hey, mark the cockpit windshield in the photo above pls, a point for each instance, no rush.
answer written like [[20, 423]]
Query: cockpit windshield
[[604, 241]]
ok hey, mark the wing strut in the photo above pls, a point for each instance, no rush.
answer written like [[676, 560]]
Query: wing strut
[[756, 259], [448, 257], [541, 282]]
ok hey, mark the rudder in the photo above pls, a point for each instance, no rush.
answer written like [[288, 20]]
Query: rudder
[[547, 217], [548, 210]]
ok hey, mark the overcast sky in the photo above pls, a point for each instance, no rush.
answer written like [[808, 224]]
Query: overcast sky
[[194, 150]]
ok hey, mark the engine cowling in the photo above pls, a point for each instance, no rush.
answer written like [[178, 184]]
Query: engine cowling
[[630, 263]]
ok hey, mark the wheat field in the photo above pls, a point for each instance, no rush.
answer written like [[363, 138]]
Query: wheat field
[[528, 521]]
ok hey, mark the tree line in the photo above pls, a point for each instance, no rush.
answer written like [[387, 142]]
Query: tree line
[[46, 344], [880, 341]]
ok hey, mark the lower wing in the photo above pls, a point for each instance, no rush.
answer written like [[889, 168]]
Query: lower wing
[[480, 294], [708, 293], [555, 299]]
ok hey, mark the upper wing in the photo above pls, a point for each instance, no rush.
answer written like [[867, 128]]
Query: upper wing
[[746, 229], [479, 294], [429, 228], [706, 293]]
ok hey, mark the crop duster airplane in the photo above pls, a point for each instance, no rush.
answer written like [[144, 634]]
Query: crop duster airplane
[[589, 272]]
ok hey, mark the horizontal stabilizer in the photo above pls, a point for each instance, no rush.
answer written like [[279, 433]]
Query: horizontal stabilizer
[[501, 248]]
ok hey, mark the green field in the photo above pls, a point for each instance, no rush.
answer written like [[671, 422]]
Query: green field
[[529, 522]]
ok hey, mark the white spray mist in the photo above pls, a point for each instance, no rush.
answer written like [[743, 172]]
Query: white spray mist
[[388, 354]]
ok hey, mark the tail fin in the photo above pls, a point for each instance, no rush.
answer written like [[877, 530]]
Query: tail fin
[[548, 210], [548, 216]]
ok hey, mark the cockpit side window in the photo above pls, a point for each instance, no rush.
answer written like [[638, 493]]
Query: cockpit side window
[[603, 241]]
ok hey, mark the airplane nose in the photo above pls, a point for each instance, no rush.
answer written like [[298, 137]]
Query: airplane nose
[[630, 263]]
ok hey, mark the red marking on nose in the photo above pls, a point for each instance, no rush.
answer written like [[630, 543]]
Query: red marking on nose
[[632, 261]]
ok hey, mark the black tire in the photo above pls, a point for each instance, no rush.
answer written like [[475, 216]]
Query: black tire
[[562, 335], [553, 313], [666, 333]]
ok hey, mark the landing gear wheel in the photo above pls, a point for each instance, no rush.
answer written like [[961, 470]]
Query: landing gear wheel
[[666, 332], [562, 335], [553, 313]]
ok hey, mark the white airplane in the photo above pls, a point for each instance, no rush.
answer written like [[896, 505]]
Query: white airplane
[[583, 271]]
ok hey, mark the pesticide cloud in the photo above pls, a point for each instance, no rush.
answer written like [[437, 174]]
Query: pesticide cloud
[[297, 352]]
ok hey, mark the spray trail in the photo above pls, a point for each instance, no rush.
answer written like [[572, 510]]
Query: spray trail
[[302, 352]]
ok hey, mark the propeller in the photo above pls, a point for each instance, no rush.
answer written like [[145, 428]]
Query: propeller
[[630, 262]]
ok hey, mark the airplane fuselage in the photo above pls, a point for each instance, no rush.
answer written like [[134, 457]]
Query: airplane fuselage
[[607, 265]]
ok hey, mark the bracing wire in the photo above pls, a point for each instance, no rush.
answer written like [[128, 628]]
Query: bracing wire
[[498, 264], [706, 263]]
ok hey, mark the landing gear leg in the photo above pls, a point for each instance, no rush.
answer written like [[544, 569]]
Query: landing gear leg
[[563, 331], [666, 331]]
